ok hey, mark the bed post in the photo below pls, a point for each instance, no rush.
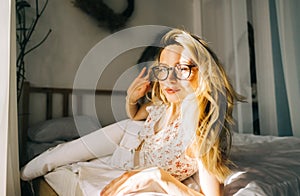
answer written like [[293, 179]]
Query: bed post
[[24, 123]]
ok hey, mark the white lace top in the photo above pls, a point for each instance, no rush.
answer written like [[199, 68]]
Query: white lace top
[[165, 148]]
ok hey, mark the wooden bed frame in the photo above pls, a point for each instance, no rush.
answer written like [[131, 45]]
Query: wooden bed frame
[[39, 185]]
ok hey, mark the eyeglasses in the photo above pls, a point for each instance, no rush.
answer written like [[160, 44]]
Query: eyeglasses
[[181, 71]]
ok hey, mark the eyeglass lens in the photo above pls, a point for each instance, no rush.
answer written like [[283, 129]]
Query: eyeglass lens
[[182, 72]]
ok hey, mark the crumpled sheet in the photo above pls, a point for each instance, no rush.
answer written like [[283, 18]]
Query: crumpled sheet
[[271, 167], [266, 165]]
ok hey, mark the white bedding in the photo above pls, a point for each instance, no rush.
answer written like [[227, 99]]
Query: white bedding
[[266, 165], [269, 167]]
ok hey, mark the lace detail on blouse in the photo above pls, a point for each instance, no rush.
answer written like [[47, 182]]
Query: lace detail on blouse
[[165, 149]]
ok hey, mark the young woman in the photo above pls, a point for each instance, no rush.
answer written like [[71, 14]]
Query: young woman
[[187, 127]]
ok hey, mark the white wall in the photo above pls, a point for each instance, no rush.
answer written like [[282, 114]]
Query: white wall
[[74, 33], [56, 61]]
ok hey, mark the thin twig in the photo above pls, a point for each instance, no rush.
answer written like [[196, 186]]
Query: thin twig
[[41, 42], [23, 36]]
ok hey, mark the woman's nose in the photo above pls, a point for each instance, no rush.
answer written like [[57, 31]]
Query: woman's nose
[[171, 76]]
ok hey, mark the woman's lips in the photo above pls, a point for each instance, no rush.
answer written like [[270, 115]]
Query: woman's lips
[[171, 90]]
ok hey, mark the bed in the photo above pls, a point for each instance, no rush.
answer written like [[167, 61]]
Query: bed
[[265, 165]]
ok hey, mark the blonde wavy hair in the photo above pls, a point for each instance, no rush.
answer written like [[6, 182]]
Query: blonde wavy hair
[[216, 100]]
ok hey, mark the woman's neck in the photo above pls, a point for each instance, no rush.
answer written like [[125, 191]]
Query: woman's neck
[[173, 111], [171, 114]]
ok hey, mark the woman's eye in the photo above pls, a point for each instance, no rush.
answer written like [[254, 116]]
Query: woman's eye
[[183, 68]]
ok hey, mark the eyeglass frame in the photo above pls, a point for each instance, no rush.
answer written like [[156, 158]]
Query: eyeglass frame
[[168, 68]]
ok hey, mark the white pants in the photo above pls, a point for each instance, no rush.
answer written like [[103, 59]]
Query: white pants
[[118, 140]]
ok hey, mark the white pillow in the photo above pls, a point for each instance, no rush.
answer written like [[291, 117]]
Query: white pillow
[[62, 129]]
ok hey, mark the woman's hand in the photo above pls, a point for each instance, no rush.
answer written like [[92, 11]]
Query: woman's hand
[[139, 87], [113, 187], [148, 180]]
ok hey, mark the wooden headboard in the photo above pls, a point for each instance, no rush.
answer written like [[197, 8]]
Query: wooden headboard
[[66, 93]]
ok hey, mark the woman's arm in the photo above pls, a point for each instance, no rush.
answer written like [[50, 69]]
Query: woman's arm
[[210, 186], [136, 111]]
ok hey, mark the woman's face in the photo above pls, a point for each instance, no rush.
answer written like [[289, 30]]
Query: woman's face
[[173, 88]]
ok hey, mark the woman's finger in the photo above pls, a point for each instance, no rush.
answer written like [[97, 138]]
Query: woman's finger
[[147, 75], [142, 72], [113, 186]]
